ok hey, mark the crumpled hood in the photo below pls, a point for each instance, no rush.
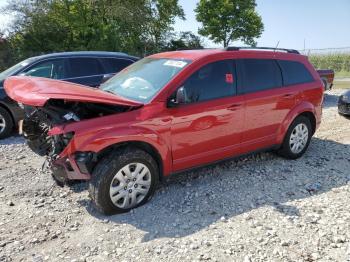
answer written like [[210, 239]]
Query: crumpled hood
[[36, 91]]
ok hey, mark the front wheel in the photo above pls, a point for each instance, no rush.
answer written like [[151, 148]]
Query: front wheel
[[123, 180], [297, 139]]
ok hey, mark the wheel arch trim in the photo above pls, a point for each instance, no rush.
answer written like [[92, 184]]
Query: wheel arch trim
[[304, 108]]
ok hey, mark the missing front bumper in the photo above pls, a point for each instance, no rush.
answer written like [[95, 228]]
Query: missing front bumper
[[74, 167]]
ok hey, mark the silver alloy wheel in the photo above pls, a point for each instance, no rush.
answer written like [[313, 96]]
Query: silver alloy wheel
[[130, 185], [2, 124], [298, 138]]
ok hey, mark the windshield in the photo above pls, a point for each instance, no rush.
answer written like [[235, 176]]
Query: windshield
[[10, 71], [142, 81]]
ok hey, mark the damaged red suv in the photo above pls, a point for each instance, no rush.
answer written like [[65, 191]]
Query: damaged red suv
[[168, 113]]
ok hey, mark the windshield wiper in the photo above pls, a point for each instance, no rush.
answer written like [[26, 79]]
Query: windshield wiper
[[107, 91]]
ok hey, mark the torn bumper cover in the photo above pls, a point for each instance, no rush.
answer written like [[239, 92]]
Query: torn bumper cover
[[74, 167]]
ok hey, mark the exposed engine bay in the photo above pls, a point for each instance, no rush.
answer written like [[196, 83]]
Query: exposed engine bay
[[39, 120]]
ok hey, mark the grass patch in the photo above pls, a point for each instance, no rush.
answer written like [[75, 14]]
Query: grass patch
[[339, 62], [342, 74], [341, 84]]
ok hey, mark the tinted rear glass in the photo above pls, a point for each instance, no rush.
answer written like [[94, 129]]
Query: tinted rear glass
[[84, 66], [294, 73], [258, 74], [114, 65]]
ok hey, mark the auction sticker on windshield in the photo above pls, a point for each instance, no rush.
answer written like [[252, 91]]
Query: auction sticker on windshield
[[175, 63]]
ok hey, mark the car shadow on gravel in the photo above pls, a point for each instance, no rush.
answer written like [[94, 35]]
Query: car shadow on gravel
[[197, 200], [13, 140]]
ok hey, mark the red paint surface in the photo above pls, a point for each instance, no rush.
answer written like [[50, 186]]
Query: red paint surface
[[36, 91]]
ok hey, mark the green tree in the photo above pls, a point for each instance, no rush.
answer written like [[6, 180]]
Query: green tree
[[135, 26], [184, 40], [225, 21], [5, 53]]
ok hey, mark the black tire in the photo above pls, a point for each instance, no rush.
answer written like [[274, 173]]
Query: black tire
[[5, 115], [108, 167], [285, 150]]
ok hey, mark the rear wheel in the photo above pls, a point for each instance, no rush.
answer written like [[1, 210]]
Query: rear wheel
[[125, 179], [6, 123], [297, 139]]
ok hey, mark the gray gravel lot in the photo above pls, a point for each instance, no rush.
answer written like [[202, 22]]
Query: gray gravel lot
[[259, 208]]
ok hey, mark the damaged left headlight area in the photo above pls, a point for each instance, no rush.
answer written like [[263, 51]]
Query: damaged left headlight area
[[36, 126], [42, 129], [39, 121]]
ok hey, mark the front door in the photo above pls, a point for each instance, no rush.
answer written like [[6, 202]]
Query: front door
[[208, 126]]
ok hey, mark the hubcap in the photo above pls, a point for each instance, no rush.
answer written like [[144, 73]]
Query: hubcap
[[2, 124], [298, 138], [130, 185]]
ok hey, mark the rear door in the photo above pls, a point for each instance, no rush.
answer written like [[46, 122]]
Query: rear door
[[267, 102], [208, 126], [85, 70]]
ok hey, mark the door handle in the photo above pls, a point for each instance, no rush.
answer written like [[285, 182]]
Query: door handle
[[288, 95], [234, 107]]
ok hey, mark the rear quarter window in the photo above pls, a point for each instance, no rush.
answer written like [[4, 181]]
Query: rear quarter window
[[294, 73]]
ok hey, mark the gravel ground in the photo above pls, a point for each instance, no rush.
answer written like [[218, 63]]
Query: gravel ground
[[259, 208]]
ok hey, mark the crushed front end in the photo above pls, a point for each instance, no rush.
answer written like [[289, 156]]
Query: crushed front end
[[45, 139], [58, 115]]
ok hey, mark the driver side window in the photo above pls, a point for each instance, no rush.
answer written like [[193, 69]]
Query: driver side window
[[212, 81], [54, 69]]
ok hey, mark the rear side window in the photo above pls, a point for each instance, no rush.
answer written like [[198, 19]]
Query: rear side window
[[294, 73], [257, 75], [212, 81], [114, 65], [84, 66]]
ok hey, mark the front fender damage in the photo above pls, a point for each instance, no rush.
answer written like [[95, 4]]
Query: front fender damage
[[43, 129]]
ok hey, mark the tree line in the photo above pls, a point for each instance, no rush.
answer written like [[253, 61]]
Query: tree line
[[137, 27]]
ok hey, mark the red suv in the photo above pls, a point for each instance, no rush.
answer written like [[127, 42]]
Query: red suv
[[168, 113]]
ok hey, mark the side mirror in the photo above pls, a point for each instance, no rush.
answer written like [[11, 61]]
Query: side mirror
[[179, 98], [106, 77]]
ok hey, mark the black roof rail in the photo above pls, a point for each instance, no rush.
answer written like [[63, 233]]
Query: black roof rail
[[237, 48]]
